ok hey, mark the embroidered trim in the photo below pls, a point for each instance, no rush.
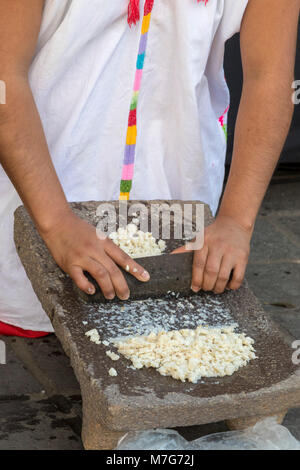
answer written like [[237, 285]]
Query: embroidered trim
[[130, 147], [129, 157], [223, 121]]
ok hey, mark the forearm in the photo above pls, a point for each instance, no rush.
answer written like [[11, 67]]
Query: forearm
[[25, 157], [263, 121], [268, 47]]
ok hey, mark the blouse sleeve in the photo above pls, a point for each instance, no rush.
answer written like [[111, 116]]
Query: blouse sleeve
[[232, 17]]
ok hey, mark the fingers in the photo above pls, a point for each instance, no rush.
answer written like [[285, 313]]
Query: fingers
[[238, 276], [181, 249], [119, 283], [199, 264], [215, 275], [81, 281], [211, 271], [108, 276], [223, 276], [102, 277], [127, 263]]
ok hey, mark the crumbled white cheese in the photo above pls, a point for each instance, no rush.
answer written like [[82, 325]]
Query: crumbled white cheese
[[94, 336], [190, 354], [106, 343], [112, 355], [137, 244], [112, 372]]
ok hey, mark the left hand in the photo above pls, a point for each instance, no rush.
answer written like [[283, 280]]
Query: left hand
[[222, 262]]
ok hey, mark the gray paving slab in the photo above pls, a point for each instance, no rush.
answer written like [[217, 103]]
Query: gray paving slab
[[292, 224], [269, 244], [276, 284], [27, 424], [288, 319], [47, 362], [15, 379], [281, 197]]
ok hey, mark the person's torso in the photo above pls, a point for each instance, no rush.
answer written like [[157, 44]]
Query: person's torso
[[82, 79]]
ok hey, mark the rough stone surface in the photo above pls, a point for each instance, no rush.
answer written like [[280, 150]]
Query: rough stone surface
[[39, 423], [40, 401], [143, 399], [281, 197], [276, 285], [238, 424], [270, 244], [18, 381], [44, 357]]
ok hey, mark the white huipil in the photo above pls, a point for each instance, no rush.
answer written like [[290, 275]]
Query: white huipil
[[82, 79]]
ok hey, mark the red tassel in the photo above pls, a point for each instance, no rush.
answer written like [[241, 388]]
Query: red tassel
[[133, 12], [134, 9]]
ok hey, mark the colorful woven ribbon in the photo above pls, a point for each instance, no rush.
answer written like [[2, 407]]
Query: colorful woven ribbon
[[129, 158], [130, 147]]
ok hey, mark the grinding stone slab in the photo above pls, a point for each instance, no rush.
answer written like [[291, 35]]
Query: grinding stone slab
[[144, 399]]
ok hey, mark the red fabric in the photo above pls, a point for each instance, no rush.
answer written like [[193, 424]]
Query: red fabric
[[10, 330]]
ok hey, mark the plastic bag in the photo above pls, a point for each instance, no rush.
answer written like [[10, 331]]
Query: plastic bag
[[264, 435]]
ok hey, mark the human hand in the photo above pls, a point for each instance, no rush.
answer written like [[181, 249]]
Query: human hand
[[75, 246], [222, 261]]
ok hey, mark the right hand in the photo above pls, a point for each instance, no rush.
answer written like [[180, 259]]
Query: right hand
[[76, 247]]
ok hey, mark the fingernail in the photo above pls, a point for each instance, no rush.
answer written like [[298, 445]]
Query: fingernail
[[91, 290], [146, 276], [110, 297], [195, 289]]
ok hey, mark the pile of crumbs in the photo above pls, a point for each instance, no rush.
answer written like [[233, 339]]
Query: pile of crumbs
[[137, 244], [190, 354]]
